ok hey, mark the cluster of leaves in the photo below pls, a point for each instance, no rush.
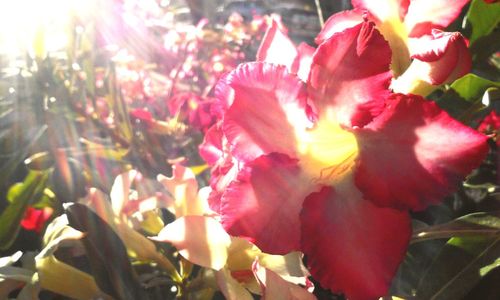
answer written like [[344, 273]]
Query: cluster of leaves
[[139, 97]]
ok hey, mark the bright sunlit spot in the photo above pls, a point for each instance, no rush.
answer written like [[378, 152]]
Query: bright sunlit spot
[[31, 24]]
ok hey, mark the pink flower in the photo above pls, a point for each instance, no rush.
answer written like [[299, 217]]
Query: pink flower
[[331, 166]]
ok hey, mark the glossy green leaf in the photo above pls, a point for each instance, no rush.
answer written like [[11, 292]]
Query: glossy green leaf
[[20, 197], [483, 18], [457, 268], [472, 87], [464, 97]]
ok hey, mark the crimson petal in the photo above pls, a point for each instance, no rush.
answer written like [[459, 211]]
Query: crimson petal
[[353, 246], [350, 72], [338, 23], [414, 154], [263, 204], [276, 47], [268, 104]]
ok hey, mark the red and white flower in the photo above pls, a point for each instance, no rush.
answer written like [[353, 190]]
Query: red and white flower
[[331, 166]]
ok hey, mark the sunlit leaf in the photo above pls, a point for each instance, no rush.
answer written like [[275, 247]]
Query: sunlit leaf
[[483, 18], [57, 276], [485, 270], [464, 97], [472, 87]]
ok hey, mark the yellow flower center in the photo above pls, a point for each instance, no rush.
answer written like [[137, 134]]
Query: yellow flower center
[[327, 152]]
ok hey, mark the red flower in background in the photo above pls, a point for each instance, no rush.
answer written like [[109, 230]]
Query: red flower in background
[[490, 125], [35, 219], [332, 166], [192, 109]]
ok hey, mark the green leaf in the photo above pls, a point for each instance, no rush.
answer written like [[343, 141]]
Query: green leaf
[[58, 276], [14, 190], [483, 18], [16, 159], [107, 254], [485, 270], [21, 197], [117, 103], [477, 224], [457, 268], [464, 97], [472, 87]]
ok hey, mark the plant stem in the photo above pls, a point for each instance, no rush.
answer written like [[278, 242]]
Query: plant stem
[[320, 13]]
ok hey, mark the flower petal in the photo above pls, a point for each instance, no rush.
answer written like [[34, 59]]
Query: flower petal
[[353, 246], [338, 23], [241, 254], [276, 47], [447, 54], [302, 64], [389, 15], [269, 103], [275, 287], [266, 198], [414, 154], [230, 287], [201, 240], [184, 187], [289, 265], [439, 58], [211, 148], [423, 15], [350, 73], [120, 191], [384, 9]]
